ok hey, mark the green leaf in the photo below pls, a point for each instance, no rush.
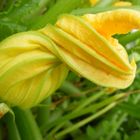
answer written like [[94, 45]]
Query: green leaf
[[13, 133], [131, 109], [60, 7], [135, 136], [104, 3], [8, 28], [135, 2], [27, 125], [90, 132]]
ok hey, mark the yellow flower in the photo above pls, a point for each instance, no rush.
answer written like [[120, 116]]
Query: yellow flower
[[34, 64], [29, 72], [86, 45]]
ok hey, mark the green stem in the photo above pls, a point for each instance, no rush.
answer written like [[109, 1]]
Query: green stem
[[115, 128], [70, 89], [105, 3], [51, 134], [85, 121], [43, 113], [86, 102], [92, 98], [13, 133], [94, 107], [89, 109], [27, 125]]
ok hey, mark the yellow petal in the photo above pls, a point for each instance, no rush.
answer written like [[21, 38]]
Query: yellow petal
[[89, 36], [118, 21], [29, 72], [96, 75], [87, 62], [122, 3]]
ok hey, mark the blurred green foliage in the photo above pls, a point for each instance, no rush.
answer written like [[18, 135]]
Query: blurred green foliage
[[79, 110]]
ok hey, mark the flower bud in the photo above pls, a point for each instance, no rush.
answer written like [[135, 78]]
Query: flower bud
[[29, 72]]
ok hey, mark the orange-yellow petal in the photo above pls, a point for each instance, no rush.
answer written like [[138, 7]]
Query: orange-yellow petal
[[83, 31], [90, 53], [85, 64], [118, 21]]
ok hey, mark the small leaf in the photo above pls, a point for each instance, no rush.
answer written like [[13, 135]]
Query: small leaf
[[4, 108], [131, 109], [90, 132]]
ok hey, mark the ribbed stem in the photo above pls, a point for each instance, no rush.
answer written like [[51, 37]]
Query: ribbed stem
[[13, 133], [115, 128], [70, 89], [90, 99], [43, 112], [82, 104], [89, 109], [27, 125], [85, 121]]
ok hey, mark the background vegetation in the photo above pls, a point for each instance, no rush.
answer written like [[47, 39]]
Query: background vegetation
[[79, 110]]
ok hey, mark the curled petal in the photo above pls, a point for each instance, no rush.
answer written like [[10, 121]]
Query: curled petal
[[113, 22], [97, 57], [94, 40]]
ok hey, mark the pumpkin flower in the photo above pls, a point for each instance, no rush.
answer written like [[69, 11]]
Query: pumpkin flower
[[33, 64], [86, 45]]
